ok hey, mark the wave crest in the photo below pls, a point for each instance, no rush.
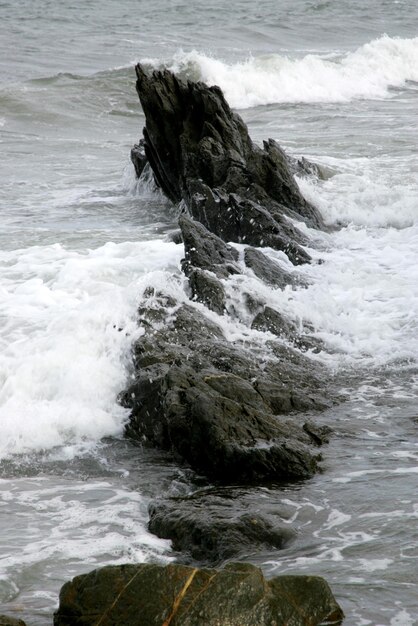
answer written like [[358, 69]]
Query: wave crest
[[367, 73]]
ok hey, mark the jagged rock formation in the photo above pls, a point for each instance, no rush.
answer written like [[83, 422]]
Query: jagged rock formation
[[231, 410], [217, 404], [200, 151], [178, 595], [213, 403]]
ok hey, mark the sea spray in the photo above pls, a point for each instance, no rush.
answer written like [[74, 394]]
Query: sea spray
[[368, 73]]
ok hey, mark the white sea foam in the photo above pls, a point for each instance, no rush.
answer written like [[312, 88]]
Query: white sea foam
[[68, 320], [402, 618], [368, 72], [367, 195], [71, 526]]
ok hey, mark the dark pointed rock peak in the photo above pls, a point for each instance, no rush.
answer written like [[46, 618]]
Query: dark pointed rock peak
[[191, 134], [180, 595], [208, 529]]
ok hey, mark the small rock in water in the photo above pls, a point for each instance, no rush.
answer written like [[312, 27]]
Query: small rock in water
[[212, 528]]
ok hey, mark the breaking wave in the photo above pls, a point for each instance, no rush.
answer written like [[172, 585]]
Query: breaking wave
[[367, 73]]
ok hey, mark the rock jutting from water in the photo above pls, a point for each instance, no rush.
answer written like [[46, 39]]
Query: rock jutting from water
[[179, 595], [232, 410], [228, 409]]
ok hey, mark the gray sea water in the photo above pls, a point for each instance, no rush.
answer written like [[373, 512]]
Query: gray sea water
[[332, 80]]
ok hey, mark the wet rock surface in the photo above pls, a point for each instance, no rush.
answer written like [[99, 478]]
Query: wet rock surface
[[213, 527], [179, 595], [216, 404], [10, 621], [268, 271], [232, 410]]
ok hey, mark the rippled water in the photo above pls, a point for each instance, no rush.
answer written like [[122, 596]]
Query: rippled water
[[79, 239]]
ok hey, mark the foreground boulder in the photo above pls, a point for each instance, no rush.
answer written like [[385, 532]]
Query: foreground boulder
[[178, 595]]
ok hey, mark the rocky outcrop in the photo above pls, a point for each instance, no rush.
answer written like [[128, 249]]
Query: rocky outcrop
[[230, 409], [178, 595], [217, 404], [214, 403]]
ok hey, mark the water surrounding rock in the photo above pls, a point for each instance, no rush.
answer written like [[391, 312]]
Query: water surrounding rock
[[178, 595]]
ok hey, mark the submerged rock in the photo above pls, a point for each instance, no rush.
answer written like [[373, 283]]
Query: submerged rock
[[268, 271], [10, 621], [179, 595], [211, 527]]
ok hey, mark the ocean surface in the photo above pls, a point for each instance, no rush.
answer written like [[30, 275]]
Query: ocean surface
[[333, 80]]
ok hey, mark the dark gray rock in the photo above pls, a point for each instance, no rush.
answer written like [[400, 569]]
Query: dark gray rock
[[212, 528], [271, 320], [243, 220], [205, 250], [268, 271], [274, 322], [200, 152], [10, 621], [198, 395], [303, 167], [179, 595], [139, 159], [208, 290]]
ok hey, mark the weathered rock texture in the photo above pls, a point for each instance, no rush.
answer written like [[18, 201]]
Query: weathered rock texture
[[212, 527], [177, 595], [218, 405], [200, 151], [10, 621]]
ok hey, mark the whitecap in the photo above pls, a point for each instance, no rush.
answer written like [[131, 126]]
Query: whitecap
[[368, 72]]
